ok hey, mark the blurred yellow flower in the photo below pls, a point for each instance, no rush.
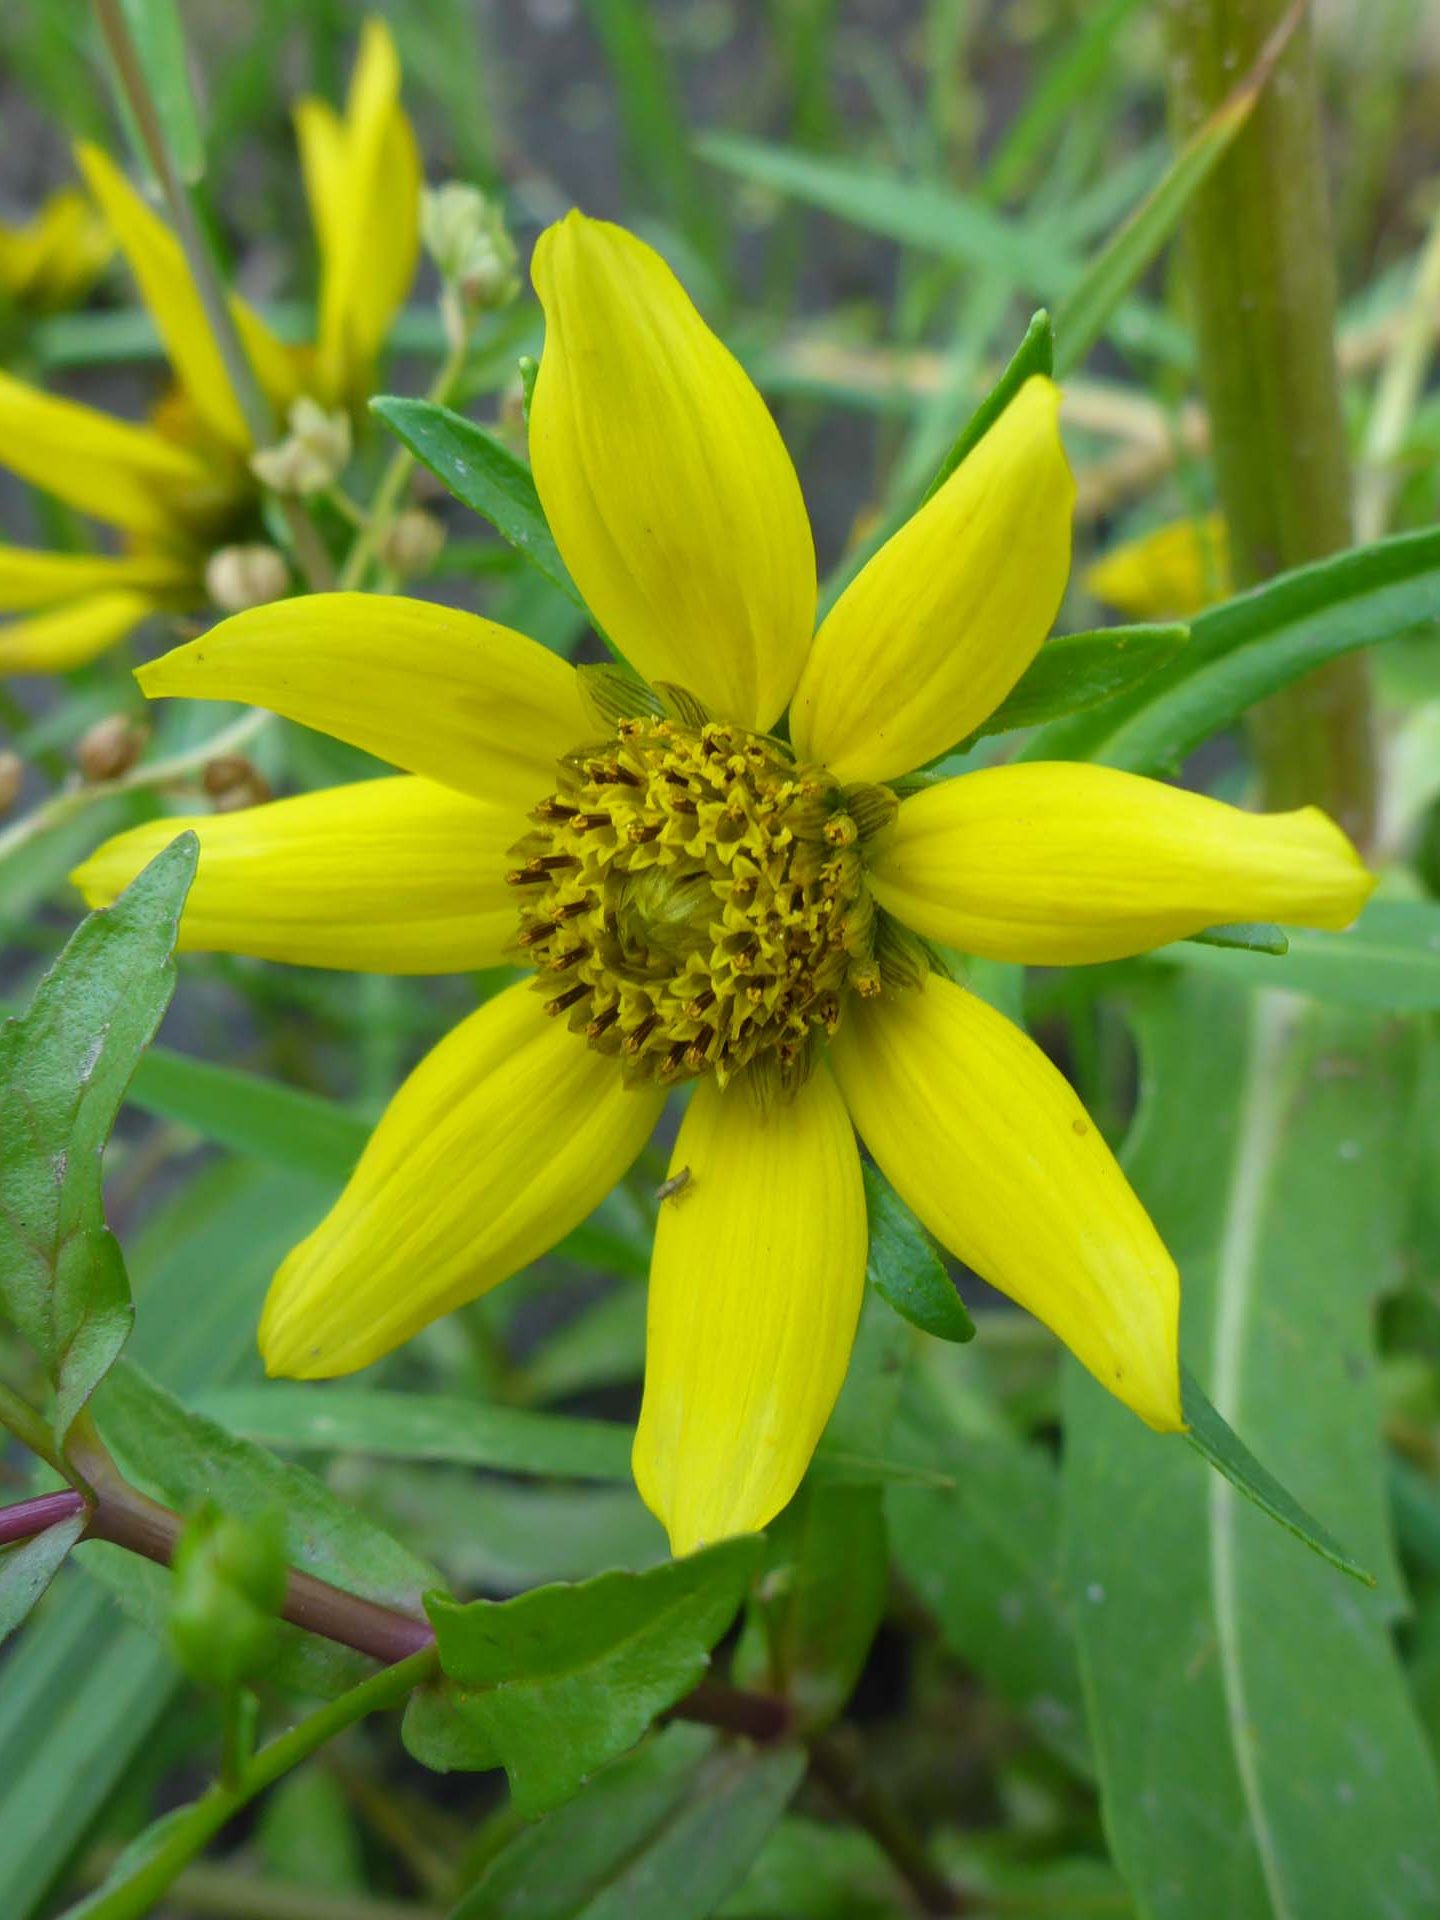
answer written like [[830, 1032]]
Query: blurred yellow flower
[[52, 261], [704, 901], [1170, 574], [180, 488]]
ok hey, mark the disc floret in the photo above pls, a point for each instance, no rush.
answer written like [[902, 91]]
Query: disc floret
[[694, 901]]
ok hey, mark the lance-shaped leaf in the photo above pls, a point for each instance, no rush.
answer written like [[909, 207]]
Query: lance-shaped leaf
[[1075, 671], [64, 1067], [1258, 1751], [1035, 354], [482, 473], [555, 1683], [905, 1269], [1389, 961], [27, 1569]]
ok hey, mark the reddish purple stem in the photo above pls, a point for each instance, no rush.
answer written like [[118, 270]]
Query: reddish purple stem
[[29, 1517]]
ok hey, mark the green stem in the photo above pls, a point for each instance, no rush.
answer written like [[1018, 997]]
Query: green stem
[[1262, 287], [396, 477], [259, 421], [188, 1832], [17, 1416], [228, 1891]]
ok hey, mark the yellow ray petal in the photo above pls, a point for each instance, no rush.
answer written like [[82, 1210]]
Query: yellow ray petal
[[505, 1137], [435, 691], [1169, 574], [932, 634], [362, 178], [386, 876], [53, 260], [664, 478], [984, 1139], [30, 577], [158, 263], [67, 636], [125, 475], [755, 1289], [1059, 863]]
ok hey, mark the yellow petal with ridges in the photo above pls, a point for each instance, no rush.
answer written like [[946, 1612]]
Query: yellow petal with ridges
[[503, 1139], [755, 1290], [1060, 863], [362, 178], [70, 635], [435, 691], [163, 275], [385, 876], [125, 475], [1170, 574], [935, 630], [664, 478], [985, 1140]]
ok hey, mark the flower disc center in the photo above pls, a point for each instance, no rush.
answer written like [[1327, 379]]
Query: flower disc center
[[693, 900]]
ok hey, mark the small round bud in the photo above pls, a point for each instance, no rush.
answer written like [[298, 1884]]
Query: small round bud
[[229, 1585], [250, 576], [312, 456], [12, 775], [111, 747], [466, 236], [233, 782], [413, 542]]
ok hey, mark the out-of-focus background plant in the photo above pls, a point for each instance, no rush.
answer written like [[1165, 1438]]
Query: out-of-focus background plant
[[1034, 1659]]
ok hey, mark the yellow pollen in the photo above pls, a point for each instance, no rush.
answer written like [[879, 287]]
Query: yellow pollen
[[700, 897]]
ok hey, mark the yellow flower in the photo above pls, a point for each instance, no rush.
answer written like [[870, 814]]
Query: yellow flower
[[1170, 574], [704, 902], [52, 261], [180, 488]]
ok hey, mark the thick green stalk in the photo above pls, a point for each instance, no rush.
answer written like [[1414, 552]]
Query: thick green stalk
[[1262, 290]]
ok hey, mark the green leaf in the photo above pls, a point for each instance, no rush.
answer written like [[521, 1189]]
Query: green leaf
[[181, 1457], [1250, 647], [1258, 1751], [905, 1269], [1120, 262], [818, 1870], [1213, 1440], [249, 1114], [64, 1066], [555, 1683], [84, 1700], [1034, 256], [1079, 670], [1035, 354], [159, 43], [1247, 936], [482, 473], [983, 1554], [27, 1569], [1389, 961], [664, 1834], [406, 1426]]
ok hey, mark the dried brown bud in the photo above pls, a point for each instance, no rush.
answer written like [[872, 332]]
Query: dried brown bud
[[413, 542], [233, 782], [250, 576], [12, 773], [111, 747]]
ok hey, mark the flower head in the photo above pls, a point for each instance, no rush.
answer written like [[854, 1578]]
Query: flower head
[[180, 487], [706, 900]]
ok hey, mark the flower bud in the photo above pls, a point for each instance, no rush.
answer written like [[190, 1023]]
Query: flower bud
[[12, 775], [229, 1586], [111, 747], [233, 782], [466, 236], [313, 455], [241, 577], [413, 542]]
